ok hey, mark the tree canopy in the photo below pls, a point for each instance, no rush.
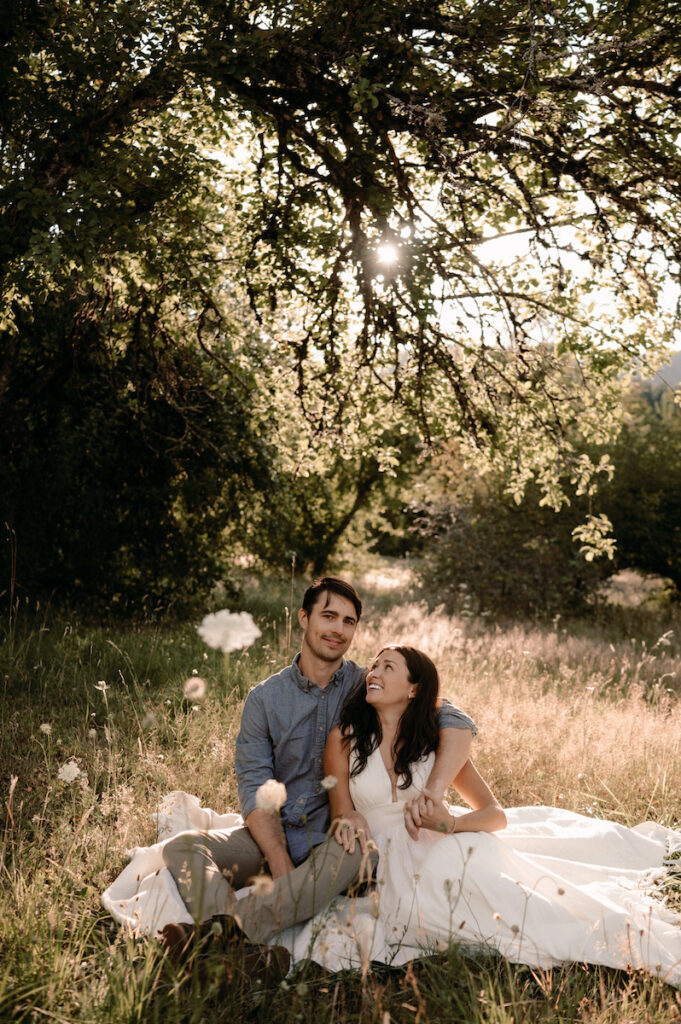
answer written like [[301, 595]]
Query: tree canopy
[[352, 169]]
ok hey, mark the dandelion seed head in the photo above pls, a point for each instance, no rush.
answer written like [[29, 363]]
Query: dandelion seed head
[[195, 688], [271, 796], [263, 885], [46, 728], [228, 631], [329, 782]]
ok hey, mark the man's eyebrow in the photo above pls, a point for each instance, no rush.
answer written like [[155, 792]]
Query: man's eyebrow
[[347, 618]]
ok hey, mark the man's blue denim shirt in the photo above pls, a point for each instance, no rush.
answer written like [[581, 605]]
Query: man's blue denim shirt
[[284, 727]]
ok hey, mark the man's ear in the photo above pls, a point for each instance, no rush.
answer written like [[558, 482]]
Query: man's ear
[[302, 618]]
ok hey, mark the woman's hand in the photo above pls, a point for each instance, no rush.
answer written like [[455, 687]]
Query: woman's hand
[[487, 814], [350, 829], [425, 811], [415, 809]]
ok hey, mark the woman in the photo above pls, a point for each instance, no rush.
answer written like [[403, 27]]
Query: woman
[[551, 887]]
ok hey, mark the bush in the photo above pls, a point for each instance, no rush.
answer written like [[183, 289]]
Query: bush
[[492, 555], [124, 460]]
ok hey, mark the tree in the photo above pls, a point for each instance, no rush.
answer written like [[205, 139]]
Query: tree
[[124, 457], [643, 499], [429, 128], [310, 513], [485, 551]]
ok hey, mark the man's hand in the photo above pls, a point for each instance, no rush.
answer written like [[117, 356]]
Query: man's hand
[[433, 813], [352, 828], [417, 810], [451, 758]]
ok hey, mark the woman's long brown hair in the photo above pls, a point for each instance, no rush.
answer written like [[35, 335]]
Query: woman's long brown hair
[[418, 732]]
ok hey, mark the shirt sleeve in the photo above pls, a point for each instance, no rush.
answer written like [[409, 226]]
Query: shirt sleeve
[[453, 718], [254, 757]]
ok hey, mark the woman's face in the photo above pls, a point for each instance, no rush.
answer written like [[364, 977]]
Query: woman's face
[[387, 681]]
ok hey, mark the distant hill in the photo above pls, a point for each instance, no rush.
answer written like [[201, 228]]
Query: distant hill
[[669, 374]]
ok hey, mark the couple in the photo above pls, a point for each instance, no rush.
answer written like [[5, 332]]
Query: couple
[[550, 887], [285, 725]]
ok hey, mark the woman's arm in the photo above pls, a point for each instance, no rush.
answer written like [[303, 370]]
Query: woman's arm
[[347, 823], [487, 814]]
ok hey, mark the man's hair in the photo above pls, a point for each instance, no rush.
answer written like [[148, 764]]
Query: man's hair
[[331, 585]]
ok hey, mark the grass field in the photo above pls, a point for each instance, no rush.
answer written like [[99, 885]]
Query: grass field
[[582, 715]]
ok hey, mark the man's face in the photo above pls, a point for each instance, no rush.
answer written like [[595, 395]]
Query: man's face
[[329, 628]]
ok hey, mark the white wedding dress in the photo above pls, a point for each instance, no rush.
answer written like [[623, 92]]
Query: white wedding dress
[[553, 887]]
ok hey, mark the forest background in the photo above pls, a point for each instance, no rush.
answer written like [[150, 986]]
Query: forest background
[[276, 280], [296, 285]]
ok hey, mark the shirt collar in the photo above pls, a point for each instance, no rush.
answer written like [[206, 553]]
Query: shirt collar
[[306, 684]]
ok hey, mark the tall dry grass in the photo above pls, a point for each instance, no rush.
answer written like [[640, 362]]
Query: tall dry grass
[[574, 715]]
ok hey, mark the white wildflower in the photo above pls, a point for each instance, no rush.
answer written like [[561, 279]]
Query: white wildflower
[[101, 685], [46, 728], [228, 631], [271, 796], [69, 772], [195, 688], [329, 782], [92, 733], [263, 885], [149, 720]]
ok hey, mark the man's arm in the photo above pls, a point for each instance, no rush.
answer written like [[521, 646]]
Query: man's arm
[[254, 763], [452, 753], [456, 735], [265, 827]]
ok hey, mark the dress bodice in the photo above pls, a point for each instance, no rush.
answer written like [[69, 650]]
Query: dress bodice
[[371, 790]]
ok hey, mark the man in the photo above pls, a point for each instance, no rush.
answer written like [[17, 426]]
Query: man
[[284, 727]]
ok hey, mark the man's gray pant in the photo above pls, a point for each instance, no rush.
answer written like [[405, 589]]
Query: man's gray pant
[[209, 865]]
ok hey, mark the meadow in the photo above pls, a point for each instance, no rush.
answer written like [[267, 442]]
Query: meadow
[[584, 715]]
